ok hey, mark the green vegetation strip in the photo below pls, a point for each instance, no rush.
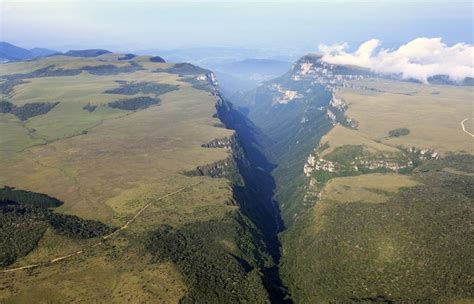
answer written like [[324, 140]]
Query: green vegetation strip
[[132, 88], [125, 226], [133, 104], [28, 110], [413, 248]]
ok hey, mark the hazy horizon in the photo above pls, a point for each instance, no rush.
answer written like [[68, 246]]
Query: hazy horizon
[[284, 25]]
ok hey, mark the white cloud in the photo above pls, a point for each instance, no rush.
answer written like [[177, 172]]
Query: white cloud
[[420, 58]]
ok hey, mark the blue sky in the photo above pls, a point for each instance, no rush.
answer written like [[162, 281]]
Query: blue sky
[[134, 25]]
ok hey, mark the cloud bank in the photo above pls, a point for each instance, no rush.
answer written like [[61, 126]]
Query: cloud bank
[[419, 59]]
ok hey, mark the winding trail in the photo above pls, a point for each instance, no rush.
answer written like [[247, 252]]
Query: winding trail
[[464, 128], [125, 226]]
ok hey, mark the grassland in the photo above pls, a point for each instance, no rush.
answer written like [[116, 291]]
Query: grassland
[[106, 165], [370, 188], [387, 237], [340, 136], [431, 113]]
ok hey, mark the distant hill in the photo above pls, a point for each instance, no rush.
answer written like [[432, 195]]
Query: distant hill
[[251, 66], [444, 79], [87, 53], [42, 52], [10, 52], [248, 73]]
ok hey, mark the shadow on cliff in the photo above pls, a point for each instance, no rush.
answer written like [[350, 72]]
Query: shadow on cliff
[[256, 196]]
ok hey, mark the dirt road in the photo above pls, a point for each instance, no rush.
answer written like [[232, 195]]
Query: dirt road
[[125, 226]]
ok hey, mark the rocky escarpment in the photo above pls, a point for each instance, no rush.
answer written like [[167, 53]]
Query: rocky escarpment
[[331, 76], [225, 168], [328, 242], [335, 112], [255, 194], [225, 142], [249, 172], [358, 160]]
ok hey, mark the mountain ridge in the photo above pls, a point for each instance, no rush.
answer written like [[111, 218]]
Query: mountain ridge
[[351, 150]]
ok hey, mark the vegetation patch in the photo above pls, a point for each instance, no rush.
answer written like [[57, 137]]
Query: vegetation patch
[[6, 87], [25, 216], [350, 160], [346, 153], [132, 88], [89, 107], [127, 57], [49, 71], [33, 109], [183, 69], [460, 162], [133, 104], [76, 227], [412, 247], [10, 195], [28, 110], [87, 53], [110, 69], [157, 59], [213, 272], [6, 106], [99, 70], [20, 231], [398, 132]]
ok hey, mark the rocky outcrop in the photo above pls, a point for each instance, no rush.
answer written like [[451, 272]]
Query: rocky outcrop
[[225, 142], [423, 153], [282, 95], [225, 168], [361, 161], [311, 67]]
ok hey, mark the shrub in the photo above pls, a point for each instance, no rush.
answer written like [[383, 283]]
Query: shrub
[[398, 132], [157, 59], [133, 104], [132, 88], [89, 107]]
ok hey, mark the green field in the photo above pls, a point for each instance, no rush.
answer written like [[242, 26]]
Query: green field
[[106, 164], [432, 113], [392, 237]]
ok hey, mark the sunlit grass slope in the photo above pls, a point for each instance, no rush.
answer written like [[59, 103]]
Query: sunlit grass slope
[[389, 237], [107, 163]]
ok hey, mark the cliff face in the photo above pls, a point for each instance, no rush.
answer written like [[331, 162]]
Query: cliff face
[[252, 184], [255, 194], [351, 198]]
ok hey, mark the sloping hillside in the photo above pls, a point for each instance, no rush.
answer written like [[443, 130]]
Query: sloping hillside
[[373, 178], [119, 146]]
